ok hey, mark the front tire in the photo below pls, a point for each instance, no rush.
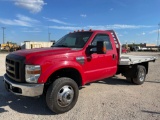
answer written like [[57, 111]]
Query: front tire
[[140, 75], [62, 95]]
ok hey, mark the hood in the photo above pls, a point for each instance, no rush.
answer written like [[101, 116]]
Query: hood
[[41, 52]]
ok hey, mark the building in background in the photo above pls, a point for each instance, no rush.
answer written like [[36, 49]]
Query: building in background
[[31, 45]]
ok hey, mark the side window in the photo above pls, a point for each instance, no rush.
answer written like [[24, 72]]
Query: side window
[[102, 37]]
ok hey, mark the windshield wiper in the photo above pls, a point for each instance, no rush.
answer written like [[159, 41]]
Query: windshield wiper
[[61, 46]]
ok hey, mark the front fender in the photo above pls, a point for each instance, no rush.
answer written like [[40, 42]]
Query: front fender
[[51, 68]]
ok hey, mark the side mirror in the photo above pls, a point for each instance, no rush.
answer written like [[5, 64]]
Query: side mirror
[[89, 51], [100, 48]]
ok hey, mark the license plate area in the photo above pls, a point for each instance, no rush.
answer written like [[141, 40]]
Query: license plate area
[[13, 89]]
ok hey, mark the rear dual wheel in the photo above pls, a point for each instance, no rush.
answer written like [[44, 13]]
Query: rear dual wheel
[[140, 75]]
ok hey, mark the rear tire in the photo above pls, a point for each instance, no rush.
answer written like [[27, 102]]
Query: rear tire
[[62, 95], [140, 75]]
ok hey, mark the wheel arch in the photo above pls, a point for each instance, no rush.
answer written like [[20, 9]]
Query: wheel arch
[[66, 72]]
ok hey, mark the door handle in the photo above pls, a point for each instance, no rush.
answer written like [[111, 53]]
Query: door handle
[[113, 56]]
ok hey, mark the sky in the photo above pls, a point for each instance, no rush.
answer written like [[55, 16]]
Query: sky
[[31, 20]]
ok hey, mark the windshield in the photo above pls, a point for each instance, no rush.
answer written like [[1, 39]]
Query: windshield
[[73, 40]]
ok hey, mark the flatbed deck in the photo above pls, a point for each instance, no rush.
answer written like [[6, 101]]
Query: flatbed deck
[[132, 59]]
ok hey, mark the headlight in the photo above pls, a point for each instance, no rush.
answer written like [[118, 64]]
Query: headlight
[[32, 73]]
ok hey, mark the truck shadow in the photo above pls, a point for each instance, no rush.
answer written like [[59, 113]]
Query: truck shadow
[[113, 81], [38, 106], [22, 104]]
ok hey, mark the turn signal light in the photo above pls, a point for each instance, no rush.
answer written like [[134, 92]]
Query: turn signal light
[[104, 49]]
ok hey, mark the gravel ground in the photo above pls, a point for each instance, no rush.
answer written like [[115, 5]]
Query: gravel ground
[[111, 99]]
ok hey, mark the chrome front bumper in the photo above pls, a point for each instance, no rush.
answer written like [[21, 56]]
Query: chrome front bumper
[[24, 89]]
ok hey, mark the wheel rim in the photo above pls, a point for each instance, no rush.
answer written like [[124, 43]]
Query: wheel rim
[[65, 96], [141, 75]]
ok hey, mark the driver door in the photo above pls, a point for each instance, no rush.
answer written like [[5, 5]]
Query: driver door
[[99, 66]]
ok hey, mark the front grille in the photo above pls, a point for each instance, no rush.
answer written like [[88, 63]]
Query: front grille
[[15, 67]]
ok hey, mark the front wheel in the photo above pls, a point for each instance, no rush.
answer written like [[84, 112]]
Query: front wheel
[[62, 95], [140, 75]]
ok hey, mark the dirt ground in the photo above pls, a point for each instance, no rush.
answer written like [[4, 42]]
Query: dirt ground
[[111, 99]]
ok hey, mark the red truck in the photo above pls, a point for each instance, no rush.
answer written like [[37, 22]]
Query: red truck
[[76, 59]]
